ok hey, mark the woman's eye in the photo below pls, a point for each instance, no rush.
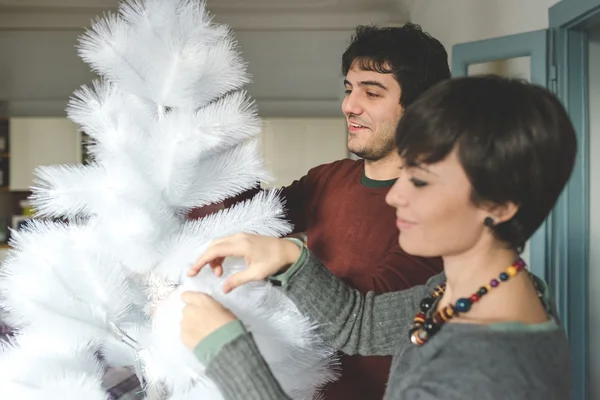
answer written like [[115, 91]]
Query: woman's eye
[[418, 183]]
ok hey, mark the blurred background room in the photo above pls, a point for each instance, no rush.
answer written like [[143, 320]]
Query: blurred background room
[[293, 49]]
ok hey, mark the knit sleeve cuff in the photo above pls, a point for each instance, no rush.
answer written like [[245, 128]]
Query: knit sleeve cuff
[[241, 373], [282, 279], [208, 348]]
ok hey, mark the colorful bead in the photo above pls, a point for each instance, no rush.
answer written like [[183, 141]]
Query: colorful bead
[[463, 305], [426, 303], [423, 327], [412, 331], [420, 318], [430, 327], [445, 314], [419, 337], [439, 317]]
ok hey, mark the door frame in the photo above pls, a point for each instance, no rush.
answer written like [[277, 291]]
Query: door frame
[[568, 20], [532, 44]]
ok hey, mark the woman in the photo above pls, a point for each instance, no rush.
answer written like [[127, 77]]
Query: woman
[[484, 161]]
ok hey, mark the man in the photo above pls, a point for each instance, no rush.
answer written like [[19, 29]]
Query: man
[[341, 206]]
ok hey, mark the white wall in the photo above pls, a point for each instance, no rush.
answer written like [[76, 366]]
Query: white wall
[[295, 73], [293, 57], [292, 146], [594, 278], [39, 70], [457, 21]]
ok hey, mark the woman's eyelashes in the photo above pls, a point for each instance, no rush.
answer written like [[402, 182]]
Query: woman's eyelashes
[[418, 183]]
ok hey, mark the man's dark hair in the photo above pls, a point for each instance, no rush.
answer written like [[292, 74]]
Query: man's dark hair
[[514, 140], [417, 60]]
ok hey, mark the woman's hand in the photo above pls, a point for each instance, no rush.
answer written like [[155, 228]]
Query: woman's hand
[[202, 315], [264, 255]]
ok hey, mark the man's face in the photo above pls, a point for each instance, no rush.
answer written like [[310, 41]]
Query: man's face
[[372, 108]]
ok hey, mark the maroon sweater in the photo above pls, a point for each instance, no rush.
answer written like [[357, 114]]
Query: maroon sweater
[[352, 231]]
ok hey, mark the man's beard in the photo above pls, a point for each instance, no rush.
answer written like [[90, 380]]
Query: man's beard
[[375, 153]]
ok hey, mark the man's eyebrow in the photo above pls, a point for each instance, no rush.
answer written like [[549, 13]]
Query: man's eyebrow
[[372, 83], [367, 83]]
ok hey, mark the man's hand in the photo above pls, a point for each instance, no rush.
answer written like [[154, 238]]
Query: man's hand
[[264, 255], [202, 316]]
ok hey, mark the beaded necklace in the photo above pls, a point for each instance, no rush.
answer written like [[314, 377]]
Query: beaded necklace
[[425, 325]]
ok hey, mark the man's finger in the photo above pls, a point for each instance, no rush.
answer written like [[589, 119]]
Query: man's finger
[[240, 278]]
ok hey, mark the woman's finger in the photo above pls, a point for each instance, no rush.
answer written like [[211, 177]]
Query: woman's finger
[[217, 266], [217, 250], [240, 278]]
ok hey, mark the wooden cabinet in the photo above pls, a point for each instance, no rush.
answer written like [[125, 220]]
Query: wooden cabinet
[[292, 146], [40, 141]]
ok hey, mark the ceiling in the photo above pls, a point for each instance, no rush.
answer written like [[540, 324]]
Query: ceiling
[[229, 5]]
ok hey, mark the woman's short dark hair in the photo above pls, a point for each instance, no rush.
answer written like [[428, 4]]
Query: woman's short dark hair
[[514, 140]]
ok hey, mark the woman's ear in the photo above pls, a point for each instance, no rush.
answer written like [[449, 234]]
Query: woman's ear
[[500, 213]]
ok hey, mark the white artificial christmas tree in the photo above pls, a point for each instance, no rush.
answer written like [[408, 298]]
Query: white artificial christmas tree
[[171, 129]]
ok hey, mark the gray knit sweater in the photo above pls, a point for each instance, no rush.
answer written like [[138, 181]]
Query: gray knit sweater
[[462, 361]]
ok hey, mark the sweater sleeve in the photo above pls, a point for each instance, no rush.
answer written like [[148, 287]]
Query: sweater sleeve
[[210, 346], [201, 212], [241, 373], [397, 271], [348, 320], [298, 194], [295, 203]]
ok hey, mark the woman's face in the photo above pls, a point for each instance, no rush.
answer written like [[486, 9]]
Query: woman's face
[[434, 210]]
